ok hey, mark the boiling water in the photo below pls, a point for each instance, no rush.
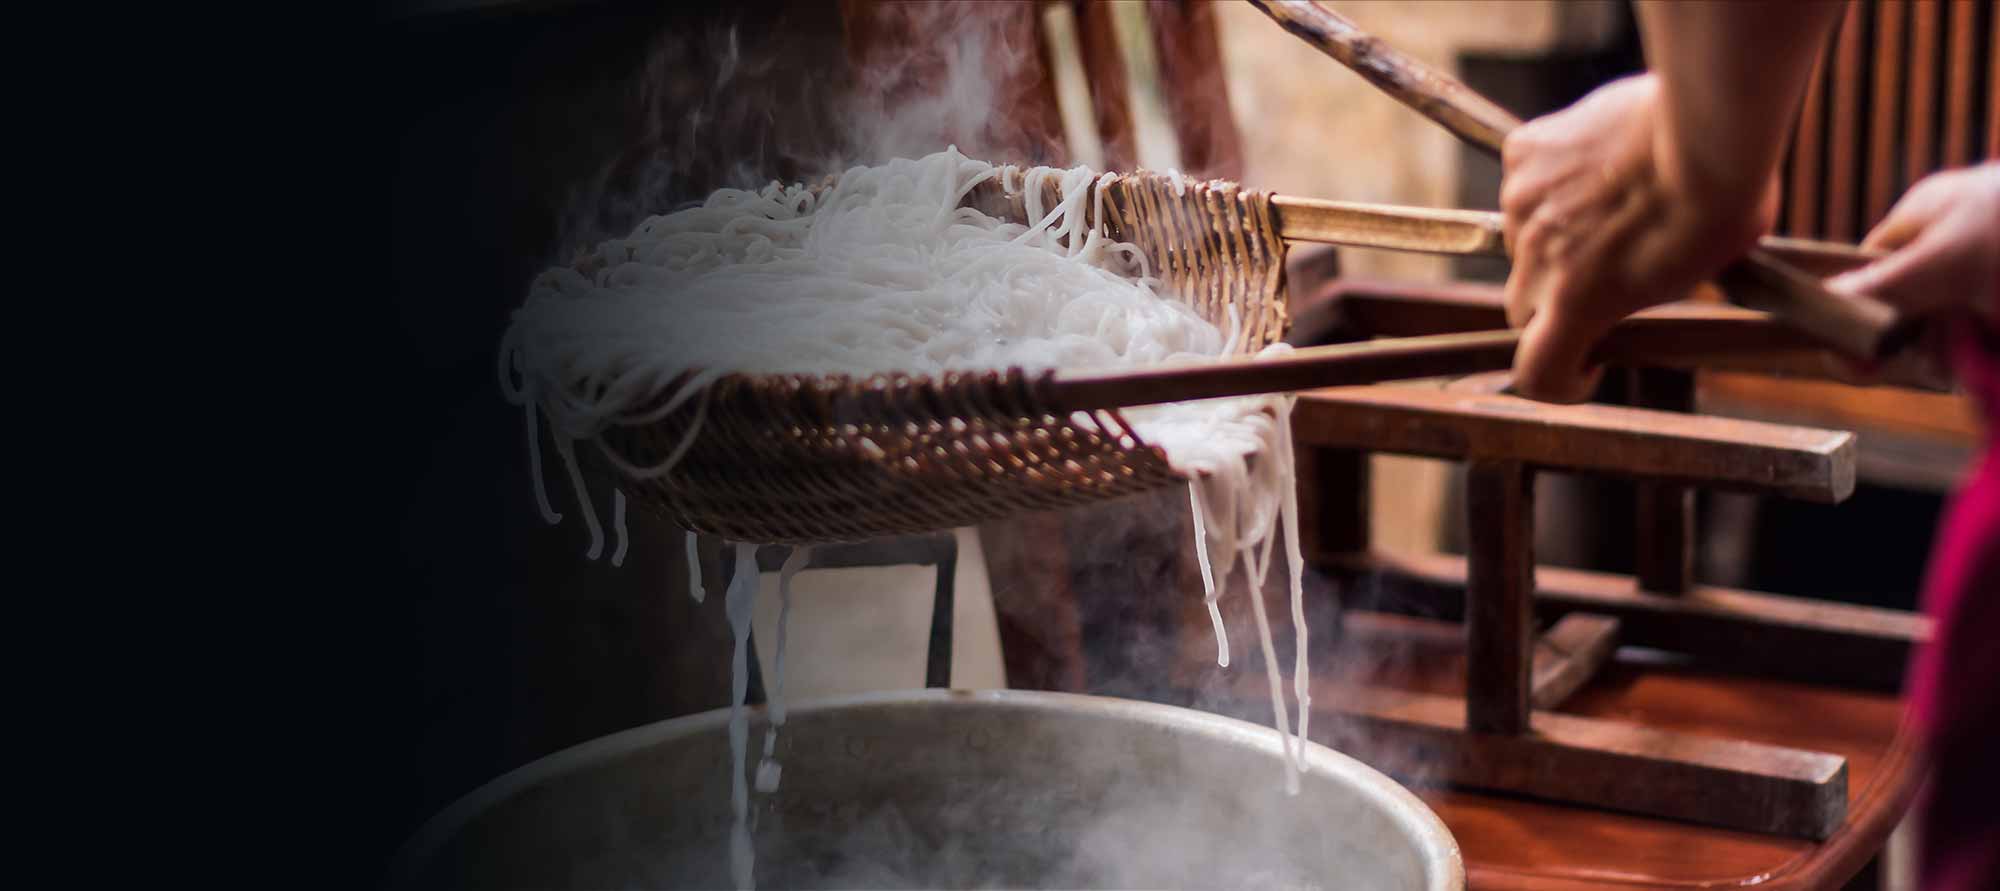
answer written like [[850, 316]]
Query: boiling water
[[946, 790]]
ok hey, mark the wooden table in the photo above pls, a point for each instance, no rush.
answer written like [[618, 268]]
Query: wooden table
[[1516, 843]]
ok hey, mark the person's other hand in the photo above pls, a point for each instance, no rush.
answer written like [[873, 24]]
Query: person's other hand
[[1943, 239], [1603, 219]]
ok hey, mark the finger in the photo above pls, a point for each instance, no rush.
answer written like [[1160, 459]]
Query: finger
[[1909, 216], [1928, 275], [1551, 363], [1526, 284]]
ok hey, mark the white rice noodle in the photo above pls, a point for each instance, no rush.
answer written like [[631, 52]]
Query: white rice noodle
[[1241, 506], [738, 600], [695, 589], [886, 272], [582, 499], [618, 527], [768, 769]]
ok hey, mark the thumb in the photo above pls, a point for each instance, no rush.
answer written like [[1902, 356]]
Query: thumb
[[1922, 277]]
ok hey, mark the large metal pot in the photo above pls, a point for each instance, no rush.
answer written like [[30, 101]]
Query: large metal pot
[[939, 789]]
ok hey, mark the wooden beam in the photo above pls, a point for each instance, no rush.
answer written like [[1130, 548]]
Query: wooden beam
[[1788, 637], [1739, 340], [1589, 761], [1798, 462], [1568, 655]]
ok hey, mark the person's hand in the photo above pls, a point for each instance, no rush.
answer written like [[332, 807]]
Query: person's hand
[[1944, 242], [1603, 219]]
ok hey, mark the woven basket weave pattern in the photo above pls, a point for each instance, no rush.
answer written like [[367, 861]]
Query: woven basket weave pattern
[[794, 459]]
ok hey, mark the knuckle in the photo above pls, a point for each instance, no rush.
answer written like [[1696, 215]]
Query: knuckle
[[1517, 198]]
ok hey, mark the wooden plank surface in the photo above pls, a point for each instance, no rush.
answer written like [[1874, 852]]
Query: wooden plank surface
[[1513, 843], [1799, 462]]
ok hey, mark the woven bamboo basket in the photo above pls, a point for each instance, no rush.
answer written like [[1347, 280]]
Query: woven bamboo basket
[[793, 459]]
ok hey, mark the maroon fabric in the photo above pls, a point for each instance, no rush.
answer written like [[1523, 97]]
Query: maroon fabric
[[1955, 681]]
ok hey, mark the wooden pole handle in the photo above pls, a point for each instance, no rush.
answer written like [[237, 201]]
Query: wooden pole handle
[[1861, 327], [1640, 340], [1437, 96], [1477, 233]]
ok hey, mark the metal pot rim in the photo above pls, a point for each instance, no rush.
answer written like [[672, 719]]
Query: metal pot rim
[[1434, 840]]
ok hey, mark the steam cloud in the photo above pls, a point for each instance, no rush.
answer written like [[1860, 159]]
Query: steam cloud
[[737, 106]]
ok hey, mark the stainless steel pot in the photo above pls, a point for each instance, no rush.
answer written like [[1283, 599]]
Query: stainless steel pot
[[940, 789]]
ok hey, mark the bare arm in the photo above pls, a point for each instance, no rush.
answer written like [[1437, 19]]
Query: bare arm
[[1732, 75], [1652, 184]]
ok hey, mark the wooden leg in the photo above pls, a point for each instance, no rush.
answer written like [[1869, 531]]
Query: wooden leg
[[1500, 591], [1041, 628], [1664, 552], [1333, 501]]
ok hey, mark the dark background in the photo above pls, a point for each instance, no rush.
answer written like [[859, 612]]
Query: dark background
[[495, 642]]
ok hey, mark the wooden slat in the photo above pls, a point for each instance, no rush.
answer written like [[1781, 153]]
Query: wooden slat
[[1843, 140], [1110, 95], [1765, 634], [1920, 105], [1885, 109], [1993, 82], [1608, 764], [1798, 462], [1191, 74], [1569, 654], [1500, 579], [1802, 188], [1962, 37]]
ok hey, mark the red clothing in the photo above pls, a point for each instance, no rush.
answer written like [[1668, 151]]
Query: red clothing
[[1955, 681]]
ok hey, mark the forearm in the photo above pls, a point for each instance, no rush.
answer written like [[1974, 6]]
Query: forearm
[[1732, 76]]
